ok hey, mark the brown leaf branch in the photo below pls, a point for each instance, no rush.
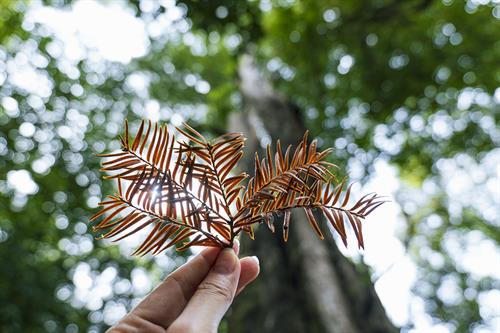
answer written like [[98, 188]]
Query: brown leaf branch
[[188, 192]]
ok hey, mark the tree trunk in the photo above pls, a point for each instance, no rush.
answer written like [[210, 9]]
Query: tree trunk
[[306, 285]]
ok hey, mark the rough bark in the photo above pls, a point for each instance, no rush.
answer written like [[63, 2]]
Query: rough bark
[[306, 285]]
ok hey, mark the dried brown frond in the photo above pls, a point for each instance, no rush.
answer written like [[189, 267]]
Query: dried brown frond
[[186, 192]]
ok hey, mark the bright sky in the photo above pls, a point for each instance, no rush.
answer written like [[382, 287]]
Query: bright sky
[[111, 32]]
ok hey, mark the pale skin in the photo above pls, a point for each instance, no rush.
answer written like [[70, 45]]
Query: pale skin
[[195, 297]]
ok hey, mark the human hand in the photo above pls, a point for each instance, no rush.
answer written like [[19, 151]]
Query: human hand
[[195, 297]]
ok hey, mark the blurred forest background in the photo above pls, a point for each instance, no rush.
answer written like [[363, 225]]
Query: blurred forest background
[[407, 92]]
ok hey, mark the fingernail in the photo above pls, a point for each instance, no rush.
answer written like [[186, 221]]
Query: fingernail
[[226, 262], [236, 246], [256, 260]]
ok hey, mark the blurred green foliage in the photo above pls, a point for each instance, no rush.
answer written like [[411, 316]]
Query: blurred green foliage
[[411, 82]]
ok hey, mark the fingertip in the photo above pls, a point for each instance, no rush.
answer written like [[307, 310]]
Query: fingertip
[[256, 260], [236, 246], [250, 269], [251, 265]]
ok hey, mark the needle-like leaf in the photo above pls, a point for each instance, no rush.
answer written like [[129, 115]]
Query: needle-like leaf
[[190, 194]]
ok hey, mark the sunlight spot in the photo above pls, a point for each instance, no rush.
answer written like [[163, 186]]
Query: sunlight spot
[[81, 277], [21, 182], [176, 119], [153, 110], [203, 87], [330, 15], [140, 281], [10, 106], [371, 39], [27, 129], [345, 64]]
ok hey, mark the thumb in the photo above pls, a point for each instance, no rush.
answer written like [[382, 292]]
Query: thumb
[[213, 297]]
